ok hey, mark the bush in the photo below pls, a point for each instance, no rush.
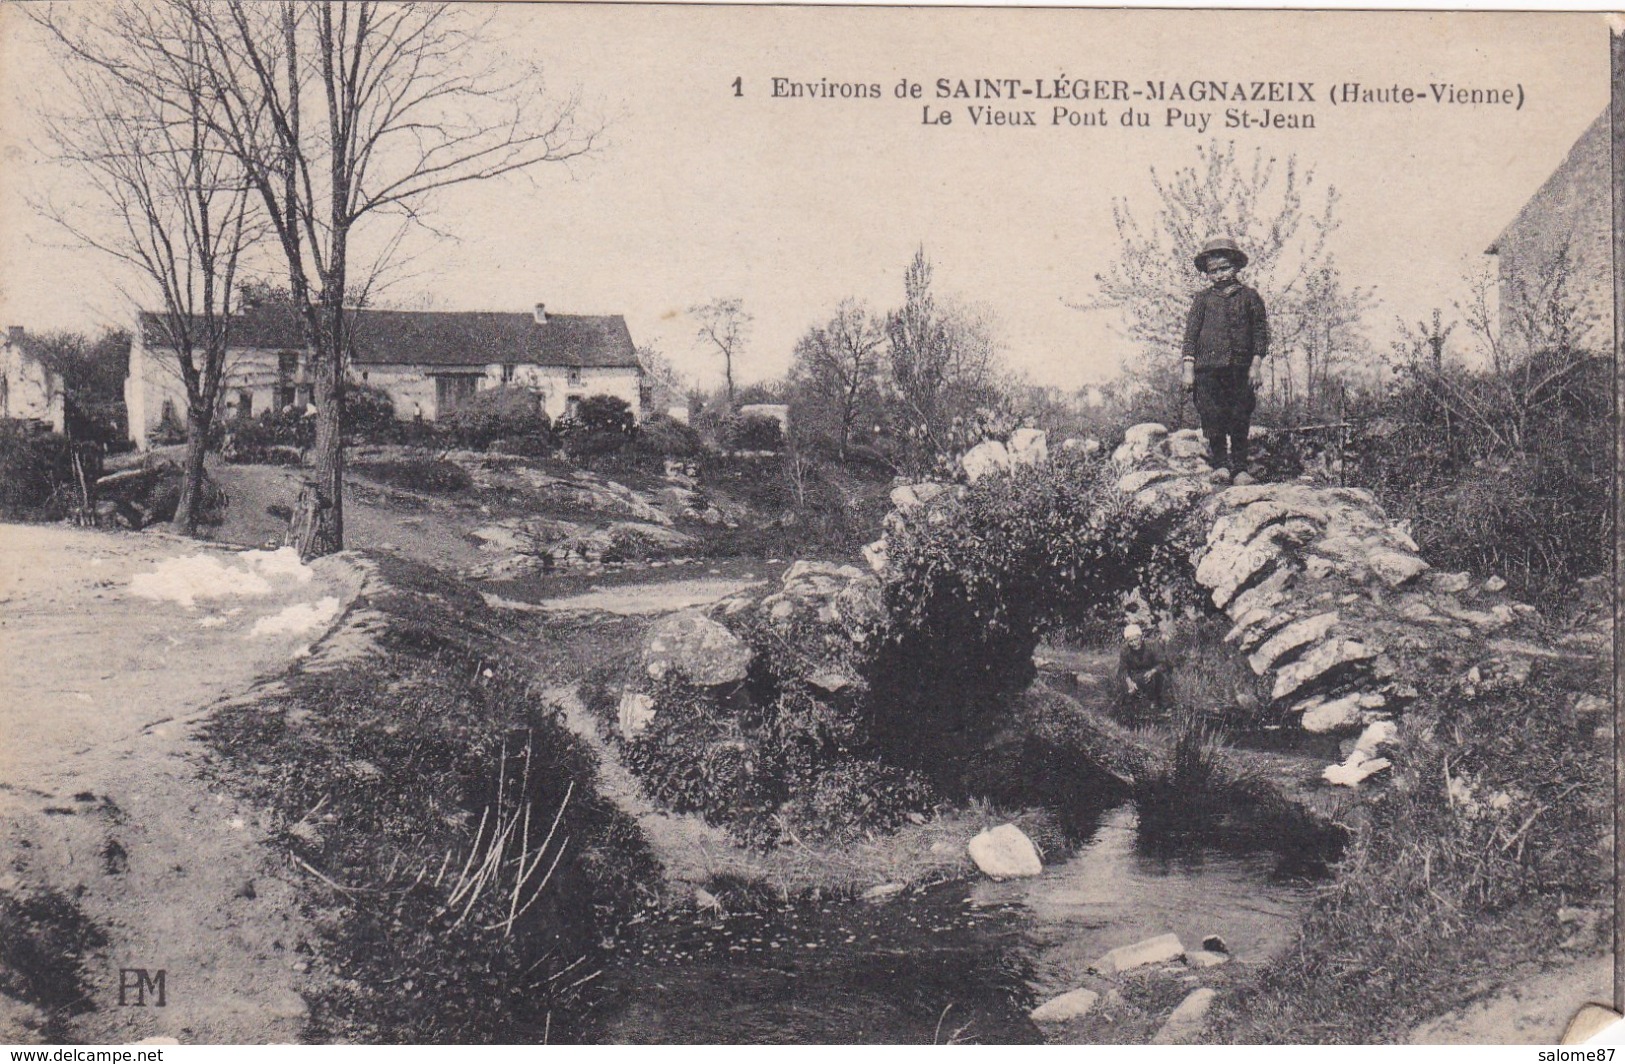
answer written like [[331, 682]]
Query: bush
[[767, 770], [369, 415], [666, 438], [1521, 493], [1496, 814], [491, 414], [272, 438], [431, 476], [605, 413], [38, 480], [968, 596], [755, 432]]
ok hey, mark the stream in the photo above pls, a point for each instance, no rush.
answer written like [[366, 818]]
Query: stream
[[962, 961]]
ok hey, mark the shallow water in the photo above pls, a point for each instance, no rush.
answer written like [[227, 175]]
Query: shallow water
[[962, 960]]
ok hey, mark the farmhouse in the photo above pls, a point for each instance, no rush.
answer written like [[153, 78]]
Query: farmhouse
[[30, 390], [1571, 211], [427, 361]]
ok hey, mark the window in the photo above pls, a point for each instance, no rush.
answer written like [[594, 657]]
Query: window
[[245, 403], [572, 406], [575, 374], [507, 373]]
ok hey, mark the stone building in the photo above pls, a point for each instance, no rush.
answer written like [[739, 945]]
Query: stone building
[[428, 362], [30, 390], [1571, 211]]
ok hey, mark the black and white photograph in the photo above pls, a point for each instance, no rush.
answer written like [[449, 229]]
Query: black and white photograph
[[587, 523]]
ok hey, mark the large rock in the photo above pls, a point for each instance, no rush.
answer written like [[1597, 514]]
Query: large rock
[[1143, 442], [696, 647], [989, 456], [1005, 852], [1187, 443], [1184, 1024], [1290, 640], [1327, 663], [1068, 1006], [637, 712], [1028, 447], [1157, 950]]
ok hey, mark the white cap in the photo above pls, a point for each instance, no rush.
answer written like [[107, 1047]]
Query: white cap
[[1132, 632]]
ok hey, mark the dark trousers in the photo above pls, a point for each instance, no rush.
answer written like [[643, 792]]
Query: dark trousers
[[1224, 402]]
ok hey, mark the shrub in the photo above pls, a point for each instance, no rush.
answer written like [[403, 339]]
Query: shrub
[[605, 413], [272, 438], [583, 444], [38, 479], [755, 432], [497, 413], [431, 476], [968, 596], [1496, 814], [668, 439], [369, 414]]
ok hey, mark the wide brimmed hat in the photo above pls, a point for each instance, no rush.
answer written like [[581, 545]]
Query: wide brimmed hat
[[1221, 246]]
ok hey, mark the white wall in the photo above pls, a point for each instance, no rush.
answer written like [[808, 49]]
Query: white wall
[[31, 391]]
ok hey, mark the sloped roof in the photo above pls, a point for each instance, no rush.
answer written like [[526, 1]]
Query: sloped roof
[[441, 338]]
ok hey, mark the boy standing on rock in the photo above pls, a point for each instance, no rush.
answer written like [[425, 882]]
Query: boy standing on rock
[[1226, 338]]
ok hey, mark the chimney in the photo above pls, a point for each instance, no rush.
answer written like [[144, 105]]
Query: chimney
[[541, 314]]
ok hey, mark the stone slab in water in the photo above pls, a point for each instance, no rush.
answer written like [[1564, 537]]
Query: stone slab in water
[[1068, 1006], [1151, 951], [1005, 852]]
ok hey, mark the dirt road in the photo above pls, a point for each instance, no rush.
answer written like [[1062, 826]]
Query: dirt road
[[115, 647]]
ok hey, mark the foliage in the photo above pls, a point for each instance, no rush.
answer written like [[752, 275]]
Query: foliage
[[668, 439], [837, 371], [942, 360], [379, 793], [38, 480], [769, 770], [753, 432], [431, 476], [605, 413], [271, 438], [1492, 820], [369, 414], [1502, 460], [968, 596], [491, 414], [43, 954]]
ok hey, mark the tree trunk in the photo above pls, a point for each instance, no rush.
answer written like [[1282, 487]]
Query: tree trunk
[[318, 527], [197, 445]]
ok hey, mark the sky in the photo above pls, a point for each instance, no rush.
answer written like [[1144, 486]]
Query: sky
[[792, 204]]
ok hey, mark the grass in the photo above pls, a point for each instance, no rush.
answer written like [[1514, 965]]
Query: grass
[[1496, 815], [44, 940], [457, 860]]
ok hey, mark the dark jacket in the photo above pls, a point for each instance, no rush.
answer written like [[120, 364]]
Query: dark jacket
[[1138, 663], [1226, 327]]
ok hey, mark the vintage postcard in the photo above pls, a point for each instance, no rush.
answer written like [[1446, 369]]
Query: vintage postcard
[[591, 523]]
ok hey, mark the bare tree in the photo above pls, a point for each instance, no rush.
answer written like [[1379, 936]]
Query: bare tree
[[839, 363], [725, 326], [342, 113], [161, 190]]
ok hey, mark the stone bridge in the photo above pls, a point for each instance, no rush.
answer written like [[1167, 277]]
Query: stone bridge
[[1328, 598]]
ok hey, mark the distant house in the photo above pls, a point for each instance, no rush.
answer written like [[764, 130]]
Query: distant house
[[1572, 209], [428, 362], [30, 390]]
